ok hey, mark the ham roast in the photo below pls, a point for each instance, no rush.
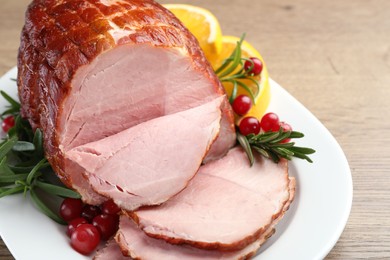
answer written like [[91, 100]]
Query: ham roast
[[134, 243], [89, 69], [130, 107], [122, 166], [227, 205]]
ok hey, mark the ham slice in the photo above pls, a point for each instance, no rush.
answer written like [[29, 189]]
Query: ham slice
[[134, 243], [124, 167], [88, 69], [227, 206], [110, 252]]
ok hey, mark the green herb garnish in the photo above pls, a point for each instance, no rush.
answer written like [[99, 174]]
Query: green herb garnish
[[232, 70], [272, 145], [23, 166], [269, 144]]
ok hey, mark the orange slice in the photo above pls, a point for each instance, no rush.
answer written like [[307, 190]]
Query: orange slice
[[202, 24]]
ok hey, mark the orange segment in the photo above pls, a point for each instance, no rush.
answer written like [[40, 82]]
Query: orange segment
[[202, 24]]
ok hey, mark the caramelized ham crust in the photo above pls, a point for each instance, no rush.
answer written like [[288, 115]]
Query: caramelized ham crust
[[88, 69]]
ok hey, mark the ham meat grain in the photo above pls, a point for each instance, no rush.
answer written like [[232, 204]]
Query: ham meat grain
[[89, 69], [135, 244], [227, 206], [111, 251], [149, 163]]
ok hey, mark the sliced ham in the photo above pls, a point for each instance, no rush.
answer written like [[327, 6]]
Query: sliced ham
[[227, 206], [136, 244], [124, 167], [91, 69], [111, 251]]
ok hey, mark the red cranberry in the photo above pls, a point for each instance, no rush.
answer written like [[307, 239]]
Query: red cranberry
[[106, 224], [270, 122], [74, 224], [71, 209], [242, 104], [85, 239], [8, 123], [257, 66], [109, 207], [286, 127], [249, 125], [89, 212]]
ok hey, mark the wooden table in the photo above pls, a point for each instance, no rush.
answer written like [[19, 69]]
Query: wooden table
[[334, 57]]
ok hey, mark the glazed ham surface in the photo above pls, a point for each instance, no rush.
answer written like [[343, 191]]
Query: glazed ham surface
[[122, 166], [227, 205], [89, 69]]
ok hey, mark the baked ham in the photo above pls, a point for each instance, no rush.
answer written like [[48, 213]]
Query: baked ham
[[89, 69], [227, 205], [123, 168], [134, 243]]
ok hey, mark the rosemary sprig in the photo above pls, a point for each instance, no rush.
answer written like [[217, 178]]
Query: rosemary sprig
[[270, 145], [23, 166], [232, 71], [13, 108]]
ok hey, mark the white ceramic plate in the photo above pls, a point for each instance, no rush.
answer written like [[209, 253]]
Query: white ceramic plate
[[309, 229]]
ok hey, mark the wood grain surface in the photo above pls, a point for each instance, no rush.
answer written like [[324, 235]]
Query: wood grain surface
[[334, 57]]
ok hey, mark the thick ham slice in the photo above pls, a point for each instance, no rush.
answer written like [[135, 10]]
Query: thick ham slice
[[134, 243], [123, 166], [227, 206], [88, 69]]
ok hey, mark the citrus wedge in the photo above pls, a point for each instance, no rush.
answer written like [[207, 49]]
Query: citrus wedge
[[202, 24], [263, 98]]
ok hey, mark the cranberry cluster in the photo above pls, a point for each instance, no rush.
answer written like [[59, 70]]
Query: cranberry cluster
[[88, 224], [242, 104]]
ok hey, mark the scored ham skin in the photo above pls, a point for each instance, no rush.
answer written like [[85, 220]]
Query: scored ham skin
[[214, 203], [134, 243], [90, 69], [122, 166]]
